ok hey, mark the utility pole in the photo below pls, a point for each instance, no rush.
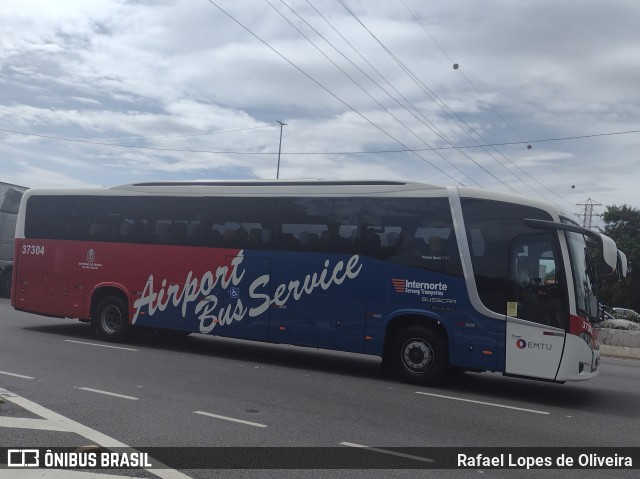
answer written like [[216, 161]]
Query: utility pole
[[279, 149], [588, 214]]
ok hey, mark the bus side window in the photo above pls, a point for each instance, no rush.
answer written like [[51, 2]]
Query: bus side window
[[370, 242], [126, 231], [239, 223], [318, 224], [192, 233], [415, 232]]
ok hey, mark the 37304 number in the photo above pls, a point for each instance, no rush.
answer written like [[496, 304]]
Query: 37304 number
[[31, 249]]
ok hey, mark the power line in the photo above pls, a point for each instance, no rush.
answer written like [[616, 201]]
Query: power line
[[497, 113], [430, 94], [358, 84], [146, 138], [265, 43], [417, 115], [361, 152]]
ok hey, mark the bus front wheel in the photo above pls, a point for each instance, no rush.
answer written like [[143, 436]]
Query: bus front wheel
[[111, 319], [420, 355]]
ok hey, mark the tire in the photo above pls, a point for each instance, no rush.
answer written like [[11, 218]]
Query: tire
[[111, 319], [420, 355]]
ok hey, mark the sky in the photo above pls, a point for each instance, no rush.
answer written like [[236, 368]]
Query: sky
[[534, 97]]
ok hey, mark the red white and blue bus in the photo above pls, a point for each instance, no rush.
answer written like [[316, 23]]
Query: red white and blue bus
[[429, 278]]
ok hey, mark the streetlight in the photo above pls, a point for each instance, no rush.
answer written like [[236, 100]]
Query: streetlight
[[279, 149]]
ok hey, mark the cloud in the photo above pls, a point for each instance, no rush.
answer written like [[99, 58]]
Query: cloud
[[133, 71]]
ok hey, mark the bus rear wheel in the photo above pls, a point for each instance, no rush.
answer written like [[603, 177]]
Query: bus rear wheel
[[420, 355], [111, 319]]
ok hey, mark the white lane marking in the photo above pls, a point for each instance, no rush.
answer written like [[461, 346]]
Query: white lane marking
[[15, 375], [483, 403], [385, 451], [99, 345], [92, 435], [107, 393], [248, 423], [28, 423]]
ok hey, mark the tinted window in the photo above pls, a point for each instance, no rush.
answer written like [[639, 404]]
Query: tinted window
[[413, 231], [319, 224], [103, 218], [240, 222], [85, 218], [492, 227], [169, 220], [51, 217]]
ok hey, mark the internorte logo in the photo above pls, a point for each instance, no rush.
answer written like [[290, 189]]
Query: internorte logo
[[418, 287], [400, 285]]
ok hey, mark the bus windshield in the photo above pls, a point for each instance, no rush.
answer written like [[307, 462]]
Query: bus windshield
[[583, 276]]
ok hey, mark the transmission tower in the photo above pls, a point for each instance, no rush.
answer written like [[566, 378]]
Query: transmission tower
[[587, 216]]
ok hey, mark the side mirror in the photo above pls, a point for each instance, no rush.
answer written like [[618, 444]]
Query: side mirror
[[622, 266]]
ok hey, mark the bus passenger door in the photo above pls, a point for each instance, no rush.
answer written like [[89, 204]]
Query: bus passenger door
[[533, 350], [537, 307]]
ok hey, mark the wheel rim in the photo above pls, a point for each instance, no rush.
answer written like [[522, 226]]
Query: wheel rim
[[417, 355], [111, 319]]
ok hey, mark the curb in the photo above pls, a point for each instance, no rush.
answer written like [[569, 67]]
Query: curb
[[609, 351], [619, 343]]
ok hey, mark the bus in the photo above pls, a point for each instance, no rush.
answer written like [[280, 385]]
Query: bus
[[431, 279], [10, 196]]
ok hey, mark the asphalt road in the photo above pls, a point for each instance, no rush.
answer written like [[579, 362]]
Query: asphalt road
[[201, 391]]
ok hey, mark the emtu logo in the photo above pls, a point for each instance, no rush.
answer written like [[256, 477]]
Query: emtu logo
[[521, 343], [400, 285]]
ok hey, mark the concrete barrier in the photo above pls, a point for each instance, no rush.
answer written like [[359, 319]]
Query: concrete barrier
[[620, 343]]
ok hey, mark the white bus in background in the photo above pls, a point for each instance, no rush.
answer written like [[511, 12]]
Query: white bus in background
[[10, 196]]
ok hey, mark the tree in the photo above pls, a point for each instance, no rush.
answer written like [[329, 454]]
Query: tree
[[622, 224]]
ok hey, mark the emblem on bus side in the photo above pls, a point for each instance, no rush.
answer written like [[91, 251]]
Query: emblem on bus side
[[90, 261]]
